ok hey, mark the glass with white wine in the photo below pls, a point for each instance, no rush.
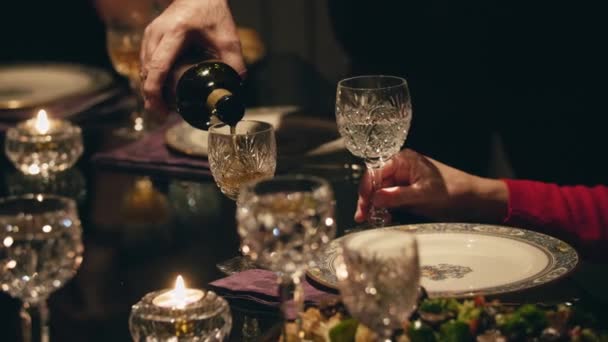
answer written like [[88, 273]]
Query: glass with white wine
[[124, 33], [240, 154], [373, 114]]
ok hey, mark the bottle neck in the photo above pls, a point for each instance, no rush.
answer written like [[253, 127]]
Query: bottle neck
[[215, 97]]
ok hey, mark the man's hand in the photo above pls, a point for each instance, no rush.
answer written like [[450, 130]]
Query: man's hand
[[207, 24], [423, 186]]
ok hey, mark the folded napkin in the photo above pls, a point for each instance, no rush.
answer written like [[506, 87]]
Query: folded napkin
[[150, 155], [261, 286]]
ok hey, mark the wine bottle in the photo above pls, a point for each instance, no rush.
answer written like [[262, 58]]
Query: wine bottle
[[208, 92]]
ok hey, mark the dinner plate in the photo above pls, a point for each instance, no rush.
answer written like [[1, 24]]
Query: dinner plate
[[32, 85], [296, 134], [462, 259]]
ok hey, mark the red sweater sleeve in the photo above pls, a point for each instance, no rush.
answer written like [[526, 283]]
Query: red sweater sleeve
[[577, 211]]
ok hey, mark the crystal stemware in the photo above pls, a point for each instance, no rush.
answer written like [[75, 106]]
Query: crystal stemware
[[373, 114], [40, 250], [283, 222], [245, 155], [378, 278], [124, 34], [238, 155]]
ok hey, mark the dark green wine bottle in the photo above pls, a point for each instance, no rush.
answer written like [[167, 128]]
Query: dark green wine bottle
[[209, 92]]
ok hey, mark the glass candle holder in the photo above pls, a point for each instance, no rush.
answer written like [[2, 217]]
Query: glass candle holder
[[207, 318], [36, 151], [70, 183]]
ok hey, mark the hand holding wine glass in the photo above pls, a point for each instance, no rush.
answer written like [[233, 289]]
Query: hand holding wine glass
[[374, 115]]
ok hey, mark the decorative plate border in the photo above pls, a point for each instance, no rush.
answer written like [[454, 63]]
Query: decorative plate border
[[178, 139], [562, 257]]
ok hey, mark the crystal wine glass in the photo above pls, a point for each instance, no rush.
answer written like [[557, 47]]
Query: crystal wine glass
[[238, 155], [378, 278], [374, 115], [41, 250], [241, 154], [124, 33], [283, 222]]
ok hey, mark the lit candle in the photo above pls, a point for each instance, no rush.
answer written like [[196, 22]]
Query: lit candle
[[179, 297], [34, 145], [42, 123], [180, 314]]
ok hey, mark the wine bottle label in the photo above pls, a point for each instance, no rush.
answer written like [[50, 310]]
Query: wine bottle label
[[215, 96]]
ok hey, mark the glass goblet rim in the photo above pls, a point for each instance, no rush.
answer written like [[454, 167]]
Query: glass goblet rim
[[316, 183], [345, 242], [399, 82], [266, 128]]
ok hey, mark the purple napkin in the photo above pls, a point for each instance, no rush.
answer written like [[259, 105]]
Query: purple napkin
[[261, 286], [150, 155]]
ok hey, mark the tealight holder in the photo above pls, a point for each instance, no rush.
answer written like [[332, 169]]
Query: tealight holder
[[41, 152], [206, 319], [70, 183]]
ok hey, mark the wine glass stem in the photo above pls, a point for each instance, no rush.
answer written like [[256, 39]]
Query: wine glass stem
[[34, 322], [291, 294], [138, 117], [378, 217]]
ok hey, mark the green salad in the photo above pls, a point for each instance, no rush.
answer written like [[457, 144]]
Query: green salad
[[453, 320]]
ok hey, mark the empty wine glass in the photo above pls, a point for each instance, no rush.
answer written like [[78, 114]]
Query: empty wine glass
[[238, 155], [378, 277], [283, 222], [41, 250], [374, 115]]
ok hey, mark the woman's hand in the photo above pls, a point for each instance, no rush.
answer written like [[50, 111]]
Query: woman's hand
[[423, 186], [207, 24]]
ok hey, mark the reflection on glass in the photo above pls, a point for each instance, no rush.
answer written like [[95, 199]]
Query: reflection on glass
[[144, 205], [40, 250], [379, 279], [195, 202], [283, 222], [373, 115]]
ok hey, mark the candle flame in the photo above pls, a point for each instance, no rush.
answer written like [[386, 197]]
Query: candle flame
[[179, 293], [42, 123]]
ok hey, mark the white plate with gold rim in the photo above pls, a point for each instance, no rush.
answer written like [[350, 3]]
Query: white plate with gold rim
[[33, 85], [463, 259]]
